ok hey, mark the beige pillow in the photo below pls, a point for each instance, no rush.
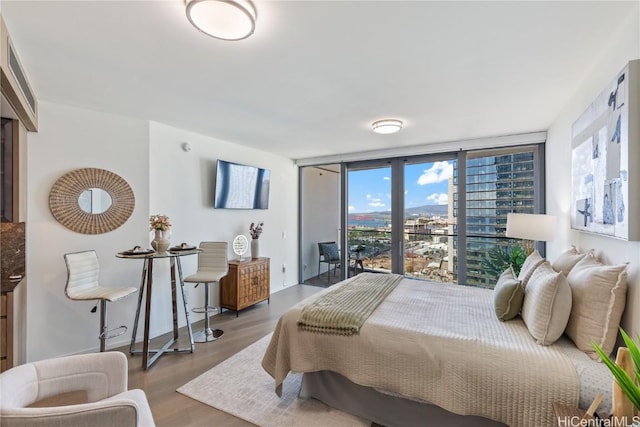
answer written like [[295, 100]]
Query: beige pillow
[[567, 260], [547, 304], [599, 295], [532, 262], [507, 295]]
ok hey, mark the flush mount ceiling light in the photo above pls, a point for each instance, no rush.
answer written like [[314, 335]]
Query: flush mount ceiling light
[[386, 126], [223, 19]]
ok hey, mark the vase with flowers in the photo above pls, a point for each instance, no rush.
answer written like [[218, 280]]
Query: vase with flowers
[[256, 230], [161, 226]]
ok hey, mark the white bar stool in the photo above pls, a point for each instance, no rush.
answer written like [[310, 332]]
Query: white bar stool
[[212, 266], [82, 284]]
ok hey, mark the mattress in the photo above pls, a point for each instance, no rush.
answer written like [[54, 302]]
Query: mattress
[[393, 410]]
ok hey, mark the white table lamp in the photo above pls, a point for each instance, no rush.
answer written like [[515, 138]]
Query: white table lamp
[[531, 227]]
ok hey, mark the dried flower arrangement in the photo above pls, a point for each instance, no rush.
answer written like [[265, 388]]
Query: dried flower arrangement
[[256, 229]]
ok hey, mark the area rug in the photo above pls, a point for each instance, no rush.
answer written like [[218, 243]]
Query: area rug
[[239, 386]]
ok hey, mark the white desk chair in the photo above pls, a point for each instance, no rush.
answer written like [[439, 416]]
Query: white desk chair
[[212, 266], [82, 284]]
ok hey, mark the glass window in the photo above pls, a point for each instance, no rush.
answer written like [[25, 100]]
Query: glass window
[[496, 185], [438, 217]]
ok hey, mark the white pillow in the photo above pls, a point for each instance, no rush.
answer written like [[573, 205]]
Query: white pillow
[[530, 264], [599, 295], [567, 260], [547, 304]]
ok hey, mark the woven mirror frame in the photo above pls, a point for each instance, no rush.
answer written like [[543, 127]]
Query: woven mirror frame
[[65, 206]]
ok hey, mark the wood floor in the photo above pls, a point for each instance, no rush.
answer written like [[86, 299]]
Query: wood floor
[[324, 281], [170, 408]]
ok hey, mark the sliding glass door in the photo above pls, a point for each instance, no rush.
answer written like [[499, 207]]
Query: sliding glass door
[[400, 217], [369, 220], [428, 220], [432, 217]]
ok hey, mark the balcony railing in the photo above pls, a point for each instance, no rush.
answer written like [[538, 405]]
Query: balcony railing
[[433, 256]]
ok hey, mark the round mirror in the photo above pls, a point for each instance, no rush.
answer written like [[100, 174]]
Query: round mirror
[[91, 201], [94, 200]]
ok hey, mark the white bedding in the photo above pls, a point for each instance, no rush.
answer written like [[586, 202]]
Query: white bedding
[[594, 377], [438, 343]]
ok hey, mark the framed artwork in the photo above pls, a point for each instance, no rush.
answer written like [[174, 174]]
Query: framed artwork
[[605, 140]]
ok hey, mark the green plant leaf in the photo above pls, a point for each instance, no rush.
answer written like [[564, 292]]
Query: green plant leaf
[[500, 258], [634, 351], [628, 385]]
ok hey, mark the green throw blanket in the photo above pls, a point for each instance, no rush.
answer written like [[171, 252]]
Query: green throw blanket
[[344, 310]]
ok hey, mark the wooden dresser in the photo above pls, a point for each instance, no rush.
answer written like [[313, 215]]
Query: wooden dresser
[[246, 284], [6, 331], [12, 272]]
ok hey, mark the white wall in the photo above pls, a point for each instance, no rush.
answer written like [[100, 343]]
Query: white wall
[[624, 46], [70, 138], [181, 185], [165, 180], [320, 205]]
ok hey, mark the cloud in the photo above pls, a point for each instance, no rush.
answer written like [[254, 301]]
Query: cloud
[[387, 178], [351, 208], [438, 172], [374, 202], [439, 198]]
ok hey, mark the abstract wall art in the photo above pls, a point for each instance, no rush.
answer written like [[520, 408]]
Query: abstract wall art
[[605, 160]]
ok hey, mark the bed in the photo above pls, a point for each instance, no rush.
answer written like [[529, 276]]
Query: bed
[[432, 349]]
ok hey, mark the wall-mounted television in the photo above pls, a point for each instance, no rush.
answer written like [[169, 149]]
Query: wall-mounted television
[[241, 186]]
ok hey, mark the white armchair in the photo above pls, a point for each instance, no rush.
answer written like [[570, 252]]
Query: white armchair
[[102, 375]]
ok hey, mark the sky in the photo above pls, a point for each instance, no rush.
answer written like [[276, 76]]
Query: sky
[[425, 184]]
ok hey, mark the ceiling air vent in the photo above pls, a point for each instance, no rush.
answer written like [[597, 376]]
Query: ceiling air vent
[[16, 70], [14, 83]]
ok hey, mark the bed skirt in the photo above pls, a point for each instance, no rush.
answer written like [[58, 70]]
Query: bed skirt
[[381, 408]]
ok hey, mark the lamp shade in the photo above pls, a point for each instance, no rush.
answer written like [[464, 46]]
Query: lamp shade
[[538, 227], [223, 19]]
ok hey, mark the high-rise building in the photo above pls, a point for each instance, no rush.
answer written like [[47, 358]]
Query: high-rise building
[[496, 184]]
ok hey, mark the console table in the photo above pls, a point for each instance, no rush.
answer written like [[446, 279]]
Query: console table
[[246, 284]]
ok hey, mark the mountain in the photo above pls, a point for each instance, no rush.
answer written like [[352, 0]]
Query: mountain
[[427, 210], [419, 211]]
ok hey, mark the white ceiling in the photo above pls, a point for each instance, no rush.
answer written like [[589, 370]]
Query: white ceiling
[[315, 74]]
